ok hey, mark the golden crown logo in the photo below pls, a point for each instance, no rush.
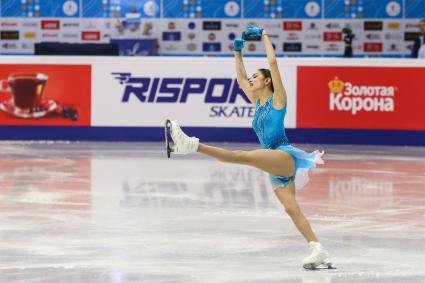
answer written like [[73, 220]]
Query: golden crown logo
[[336, 85]]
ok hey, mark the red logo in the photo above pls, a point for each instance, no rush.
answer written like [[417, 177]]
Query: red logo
[[50, 24], [360, 98], [332, 36], [90, 35], [373, 47], [293, 25]]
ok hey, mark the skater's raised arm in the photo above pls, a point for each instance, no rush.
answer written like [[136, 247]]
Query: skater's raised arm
[[279, 96], [241, 75]]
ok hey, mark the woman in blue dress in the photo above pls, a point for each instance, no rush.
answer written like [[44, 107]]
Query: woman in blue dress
[[287, 166]]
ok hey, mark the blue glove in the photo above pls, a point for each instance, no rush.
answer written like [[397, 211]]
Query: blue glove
[[252, 32], [238, 44]]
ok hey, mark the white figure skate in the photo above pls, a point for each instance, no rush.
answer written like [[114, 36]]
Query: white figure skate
[[182, 144], [318, 259]]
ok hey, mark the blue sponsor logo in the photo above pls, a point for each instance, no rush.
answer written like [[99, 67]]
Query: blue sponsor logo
[[171, 36], [178, 90], [211, 47]]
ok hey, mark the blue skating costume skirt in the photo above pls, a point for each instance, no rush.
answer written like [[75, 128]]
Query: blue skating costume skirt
[[304, 162]]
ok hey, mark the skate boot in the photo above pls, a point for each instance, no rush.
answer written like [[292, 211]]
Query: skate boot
[[183, 144], [318, 259]]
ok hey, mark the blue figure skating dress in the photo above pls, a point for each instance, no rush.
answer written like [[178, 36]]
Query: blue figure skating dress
[[268, 124]]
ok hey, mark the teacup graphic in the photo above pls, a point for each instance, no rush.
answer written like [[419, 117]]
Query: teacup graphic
[[27, 89], [28, 100]]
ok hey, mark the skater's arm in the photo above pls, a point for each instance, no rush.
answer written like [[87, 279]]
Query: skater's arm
[[279, 96], [242, 77]]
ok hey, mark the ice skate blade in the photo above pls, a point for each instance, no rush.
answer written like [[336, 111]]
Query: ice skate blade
[[167, 131], [323, 266]]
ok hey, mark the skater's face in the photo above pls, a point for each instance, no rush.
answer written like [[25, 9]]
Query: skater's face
[[257, 81]]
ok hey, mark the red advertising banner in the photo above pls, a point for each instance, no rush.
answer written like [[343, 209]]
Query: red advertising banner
[[45, 95], [390, 98]]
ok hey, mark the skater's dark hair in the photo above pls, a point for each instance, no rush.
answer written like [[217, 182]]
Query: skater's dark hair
[[267, 74]]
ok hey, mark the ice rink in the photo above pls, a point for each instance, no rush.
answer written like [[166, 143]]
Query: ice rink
[[123, 212]]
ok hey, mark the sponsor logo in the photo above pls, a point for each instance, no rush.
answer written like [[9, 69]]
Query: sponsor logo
[[179, 89], [312, 36], [191, 47], [90, 25], [191, 35], [411, 36], [348, 97], [412, 26], [373, 25], [373, 36], [170, 47], [393, 25], [191, 25], [312, 47], [292, 47], [312, 26], [211, 47], [332, 47], [171, 26], [71, 35], [332, 36], [70, 25], [27, 46], [273, 25], [30, 35], [333, 26], [50, 24], [231, 25], [354, 25], [49, 35], [171, 36], [372, 47], [9, 34], [275, 36], [293, 25], [292, 36], [30, 24], [393, 48], [211, 36], [211, 25], [252, 47], [395, 36], [9, 45], [90, 35], [9, 24]]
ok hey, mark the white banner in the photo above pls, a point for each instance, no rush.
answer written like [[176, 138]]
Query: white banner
[[197, 92]]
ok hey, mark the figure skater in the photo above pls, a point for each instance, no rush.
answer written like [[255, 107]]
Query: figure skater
[[285, 164]]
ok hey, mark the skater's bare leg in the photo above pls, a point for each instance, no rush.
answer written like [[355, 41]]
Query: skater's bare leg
[[286, 196], [275, 162]]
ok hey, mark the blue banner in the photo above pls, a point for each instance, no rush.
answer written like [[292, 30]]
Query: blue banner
[[202, 9], [302, 9], [120, 8], [41, 8], [384, 9]]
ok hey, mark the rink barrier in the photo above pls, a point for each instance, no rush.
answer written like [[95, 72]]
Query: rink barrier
[[330, 100]]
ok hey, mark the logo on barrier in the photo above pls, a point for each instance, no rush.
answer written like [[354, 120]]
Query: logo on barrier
[[50, 24], [90, 35], [354, 97], [218, 92], [344, 96]]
